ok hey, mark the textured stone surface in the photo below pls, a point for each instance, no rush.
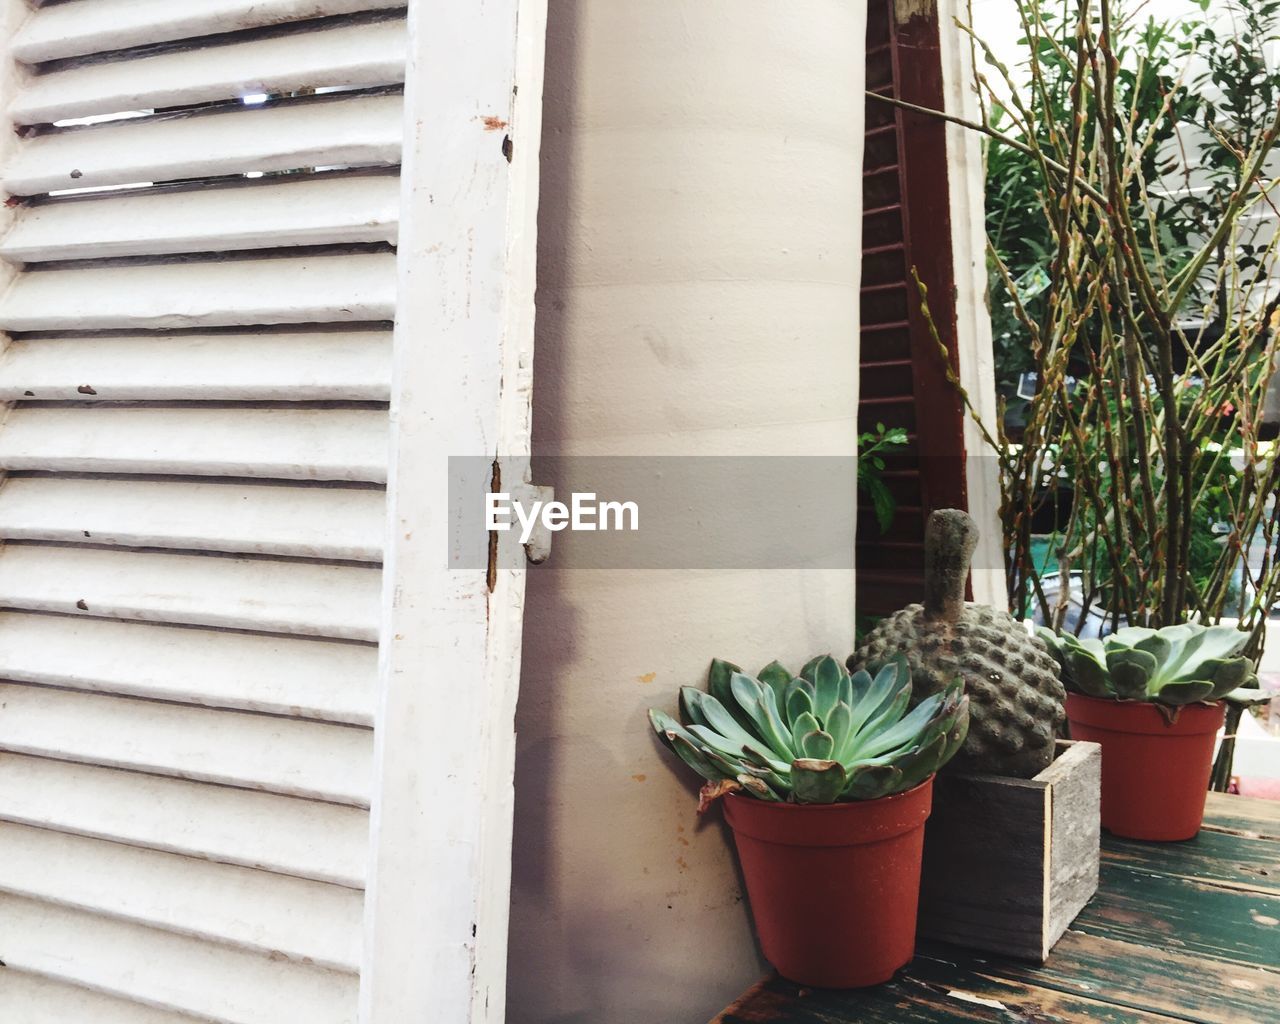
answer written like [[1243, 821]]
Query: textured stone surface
[[1015, 694]]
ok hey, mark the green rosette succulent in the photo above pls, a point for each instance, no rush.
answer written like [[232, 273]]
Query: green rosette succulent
[[817, 738], [1175, 665]]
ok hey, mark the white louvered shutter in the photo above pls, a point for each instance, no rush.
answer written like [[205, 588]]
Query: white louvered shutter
[[196, 445]]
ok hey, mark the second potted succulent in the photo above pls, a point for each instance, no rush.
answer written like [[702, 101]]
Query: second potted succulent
[[827, 782], [1152, 699]]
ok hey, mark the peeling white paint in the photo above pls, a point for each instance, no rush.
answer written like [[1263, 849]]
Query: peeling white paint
[[969, 997]]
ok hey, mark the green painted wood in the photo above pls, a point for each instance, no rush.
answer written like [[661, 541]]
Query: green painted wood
[[1244, 815], [1137, 976], [929, 992], [1226, 858], [1166, 912]]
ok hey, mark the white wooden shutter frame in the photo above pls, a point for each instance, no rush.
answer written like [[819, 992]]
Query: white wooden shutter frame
[[439, 886], [256, 740]]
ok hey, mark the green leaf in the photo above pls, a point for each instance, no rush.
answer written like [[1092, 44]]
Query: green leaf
[[818, 745], [696, 760], [718, 676], [707, 737], [772, 727], [885, 717], [754, 755], [1248, 696], [724, 723], [883, 502], [840, 724], [1050, 640], [1086, 673], [1212, 643], [747, 693], [799, 701], [921, 763], [859, 683], [731, 766], [846, 689], [826, 677], [817, 781], [1131, 672], [1159, 647], [904, 732], [776, 676], [1225, 675], [801, 727], [807, 671], [1178, 694], [873, 781], [719, 685], [878, 694], [667, 727], [758, 788], [892, 682], [741, 763]]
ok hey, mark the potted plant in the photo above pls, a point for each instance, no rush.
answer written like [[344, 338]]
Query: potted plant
[[1153, 699], [827, 782], [1150, 338]]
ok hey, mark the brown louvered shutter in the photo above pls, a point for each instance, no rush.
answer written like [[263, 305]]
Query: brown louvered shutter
[[906, 223]]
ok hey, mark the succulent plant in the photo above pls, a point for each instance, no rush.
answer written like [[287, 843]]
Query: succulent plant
[[816, 738], [1008, 674], [1175, 665]]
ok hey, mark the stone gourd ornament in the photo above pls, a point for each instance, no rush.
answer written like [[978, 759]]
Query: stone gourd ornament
[[1015, 694]]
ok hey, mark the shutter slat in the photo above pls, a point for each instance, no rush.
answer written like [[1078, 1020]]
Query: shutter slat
[[363, 131], [282, 367], [276, 755], [306, 839], [269, 519], [297, 598], [89, 26], [293, 290], [288, 444], [304, 921], [34, 1000], [343, 55], [170, 971], [332, 682], [263, 215]]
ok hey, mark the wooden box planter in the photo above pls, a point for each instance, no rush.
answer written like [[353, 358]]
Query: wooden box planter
[[1009, 863]]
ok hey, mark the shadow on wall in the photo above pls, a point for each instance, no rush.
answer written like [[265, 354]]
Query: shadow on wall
[[614, 876], [627, 907]]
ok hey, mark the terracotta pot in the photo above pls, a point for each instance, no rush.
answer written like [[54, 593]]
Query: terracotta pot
[[834, 888], [1155, 775]]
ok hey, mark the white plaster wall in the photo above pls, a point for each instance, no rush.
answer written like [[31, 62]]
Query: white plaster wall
[[966, 182], [699, 266]]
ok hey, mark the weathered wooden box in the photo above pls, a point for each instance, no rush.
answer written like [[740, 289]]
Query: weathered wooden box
[[1009, 863]]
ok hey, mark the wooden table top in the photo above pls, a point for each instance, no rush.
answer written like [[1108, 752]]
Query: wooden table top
[[1185, 932]]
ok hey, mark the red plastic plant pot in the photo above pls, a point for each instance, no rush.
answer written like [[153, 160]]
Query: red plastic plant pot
[[834, 888], [1155, 774]]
